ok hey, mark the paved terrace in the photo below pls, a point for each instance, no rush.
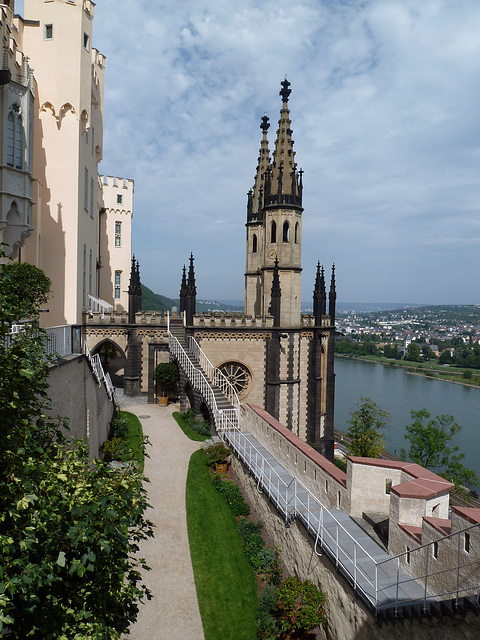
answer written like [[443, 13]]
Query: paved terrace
[[173, 612], [378, 579]]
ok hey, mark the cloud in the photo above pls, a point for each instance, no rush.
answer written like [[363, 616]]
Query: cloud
[[385, 118]]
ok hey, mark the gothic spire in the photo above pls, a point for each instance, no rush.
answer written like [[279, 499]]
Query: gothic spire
[[183, 289], [319, 295], [332, 296], [284, 155], [134, 291], [275, 296], [263, 167], [190, 294]]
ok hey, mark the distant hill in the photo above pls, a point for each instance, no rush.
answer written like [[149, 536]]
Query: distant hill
[[155, 302]]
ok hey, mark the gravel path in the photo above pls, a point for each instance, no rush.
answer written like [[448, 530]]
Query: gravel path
[[173, 612]]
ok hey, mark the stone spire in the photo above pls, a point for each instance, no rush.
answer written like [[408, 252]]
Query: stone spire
[[332, 296], [276, 296], [183, 289], [285, 179], [255, 200], [190, 293], [134, 291], [319, 296]]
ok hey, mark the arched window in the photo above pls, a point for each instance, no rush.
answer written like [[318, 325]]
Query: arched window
[[296, 233], [15, 138], [273, 232], [254, 243], [286, 232]]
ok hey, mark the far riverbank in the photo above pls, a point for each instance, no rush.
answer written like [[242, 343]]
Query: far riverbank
[[425, 369]]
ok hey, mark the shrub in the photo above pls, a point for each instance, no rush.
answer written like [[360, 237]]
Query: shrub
[[467, 374], [264, 560], [267, 624], [117, 449], [232, 495], [300, 605], [119, 427]]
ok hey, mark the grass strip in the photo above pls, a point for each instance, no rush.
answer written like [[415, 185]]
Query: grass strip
[[190, 433], [225, 581], [134, 437]]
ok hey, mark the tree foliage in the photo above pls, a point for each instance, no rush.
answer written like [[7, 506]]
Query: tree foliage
[[69, 530], [431, 446], [365, 428]]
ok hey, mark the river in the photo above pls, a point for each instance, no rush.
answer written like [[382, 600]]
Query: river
[[398, 393]]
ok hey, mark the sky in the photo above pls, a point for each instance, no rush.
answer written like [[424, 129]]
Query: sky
[[386, 119]]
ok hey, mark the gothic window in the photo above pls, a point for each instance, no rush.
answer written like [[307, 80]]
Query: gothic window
[[84, 277], [15, 138], [118, 276], [273, 232], [254, 243], [296, 233], [238, 375], [91, 196], [118, 234], [286, 232], [90, 273], [85, 191]]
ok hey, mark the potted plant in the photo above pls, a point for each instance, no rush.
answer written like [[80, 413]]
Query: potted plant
[[217, 456], [301, 607], [165, 373]]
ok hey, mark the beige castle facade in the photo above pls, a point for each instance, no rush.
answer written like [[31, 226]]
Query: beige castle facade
[[52, 193]]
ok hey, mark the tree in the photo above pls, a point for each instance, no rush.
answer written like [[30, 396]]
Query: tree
[[413, 352], [69, 531], [365, 429], [427, 352], [430, 445]]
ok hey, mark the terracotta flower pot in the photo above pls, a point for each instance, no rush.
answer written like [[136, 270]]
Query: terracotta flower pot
[[221, 467], [163, 401]]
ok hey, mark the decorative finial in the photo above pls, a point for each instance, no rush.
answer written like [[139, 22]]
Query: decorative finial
[[265, 123], [285, 91]]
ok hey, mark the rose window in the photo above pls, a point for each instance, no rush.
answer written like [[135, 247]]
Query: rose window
[[238, 375]]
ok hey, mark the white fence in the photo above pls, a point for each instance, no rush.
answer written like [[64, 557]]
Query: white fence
[[96, 305], [99, 372]]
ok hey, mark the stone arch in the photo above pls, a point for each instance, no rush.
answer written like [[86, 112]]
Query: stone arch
[[286, 231], [84, 120], [48, 106], [114, 360]]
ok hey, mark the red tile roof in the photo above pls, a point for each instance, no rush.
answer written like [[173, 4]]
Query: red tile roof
[[440, 524], [425, 483], [413, 532], [327, 466], [469, 513]]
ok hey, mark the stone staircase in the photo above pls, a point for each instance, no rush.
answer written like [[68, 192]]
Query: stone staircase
[[177, 329]]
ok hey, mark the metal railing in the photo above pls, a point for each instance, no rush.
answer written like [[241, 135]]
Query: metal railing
[[216, 377], [380, 582], [59, 341], [97, 305], [99, 372], [224, 419]]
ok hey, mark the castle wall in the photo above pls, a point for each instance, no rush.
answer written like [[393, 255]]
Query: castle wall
[[77, 396]]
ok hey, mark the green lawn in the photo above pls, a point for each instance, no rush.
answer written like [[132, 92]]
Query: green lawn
[[190, 433], [225, 581], [134, 437]]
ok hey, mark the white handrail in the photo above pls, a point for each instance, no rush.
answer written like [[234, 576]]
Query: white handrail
[[99, 372], [216, 377], [99, 305]]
